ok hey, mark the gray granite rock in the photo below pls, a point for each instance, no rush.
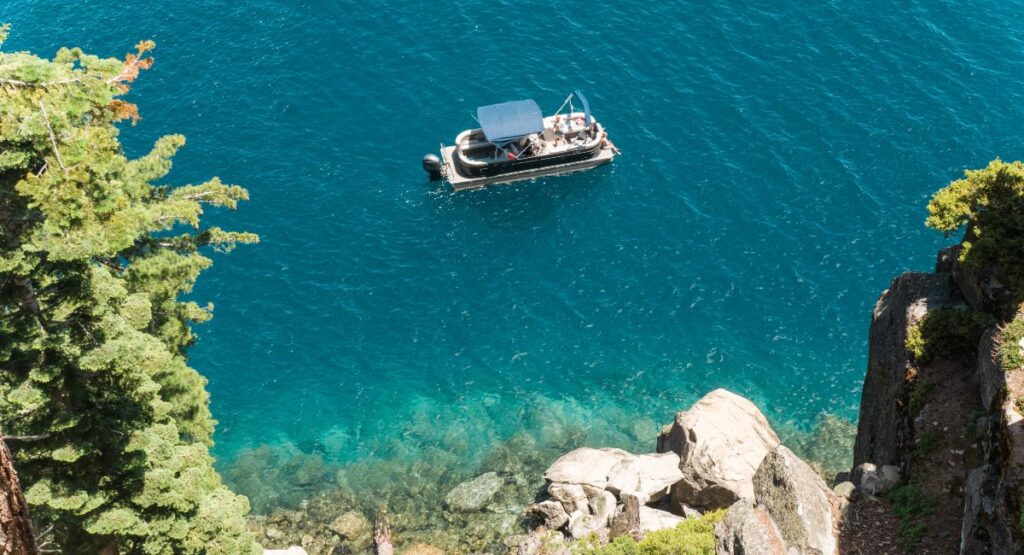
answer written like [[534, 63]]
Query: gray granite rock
[[797, 500], [649, 476], [720, 442], [748, 530], [585, 466], [551, 512]]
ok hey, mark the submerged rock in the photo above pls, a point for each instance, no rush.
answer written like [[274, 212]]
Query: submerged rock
[[293, 550], [797, 500], [422, 549], [352, 526], [585, 466], [720, 441], [473, 495]]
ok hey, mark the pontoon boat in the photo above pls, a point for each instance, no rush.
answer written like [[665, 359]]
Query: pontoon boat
[[516, 142]]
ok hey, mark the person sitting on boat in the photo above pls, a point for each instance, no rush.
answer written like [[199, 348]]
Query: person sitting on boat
[[605, 143]]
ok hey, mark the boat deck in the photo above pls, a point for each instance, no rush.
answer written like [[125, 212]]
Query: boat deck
[[460, 182]]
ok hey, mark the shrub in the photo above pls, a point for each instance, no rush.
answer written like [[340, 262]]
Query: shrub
[[1009, 344], [694, 536], [991, 200], [947, 333], [909, 505]]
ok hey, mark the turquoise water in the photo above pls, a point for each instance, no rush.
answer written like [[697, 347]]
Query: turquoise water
[[777, 160]]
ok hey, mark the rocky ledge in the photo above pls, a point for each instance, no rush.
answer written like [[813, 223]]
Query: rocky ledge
[[720, 454]]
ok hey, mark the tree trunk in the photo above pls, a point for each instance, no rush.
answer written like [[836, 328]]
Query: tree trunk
[[16, 535]]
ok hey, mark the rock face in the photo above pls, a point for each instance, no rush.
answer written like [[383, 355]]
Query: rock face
[[585, 466], [474, 494], [797, 500], [988, 524], [992, 504], [720, 442], [991, 376], [884, 433], [748, 529], [649, 476]]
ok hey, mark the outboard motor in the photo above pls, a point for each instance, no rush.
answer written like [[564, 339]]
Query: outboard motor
[[432, 165]]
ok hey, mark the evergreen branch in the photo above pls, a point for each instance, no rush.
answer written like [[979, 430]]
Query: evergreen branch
[[53, 138], [27, 438]]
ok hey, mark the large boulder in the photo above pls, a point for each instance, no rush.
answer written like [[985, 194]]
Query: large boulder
[[649, 476], [473, 495], [884, 430], [720, 442], [797, 500], [585, 466], [748, 530]]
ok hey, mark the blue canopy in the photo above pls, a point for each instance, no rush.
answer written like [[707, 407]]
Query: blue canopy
[[506, 122], [586, 107]]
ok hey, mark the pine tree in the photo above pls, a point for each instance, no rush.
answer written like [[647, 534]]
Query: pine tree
[[95, 255]]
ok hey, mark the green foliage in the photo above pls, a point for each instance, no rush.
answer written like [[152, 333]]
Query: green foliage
[[694, 536], [947, 333], [926, 445], [1011, 353], [95, 253], [991, 200], [910, 505]]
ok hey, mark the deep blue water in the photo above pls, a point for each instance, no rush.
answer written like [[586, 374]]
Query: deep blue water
[[777, 161]]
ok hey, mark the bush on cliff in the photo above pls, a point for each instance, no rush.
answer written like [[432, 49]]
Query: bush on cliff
[[991, 200], [694, 536], [947, 333], [1011, 351], [111, 426]]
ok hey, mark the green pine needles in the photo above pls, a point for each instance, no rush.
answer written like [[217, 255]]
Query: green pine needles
[[991, 201], [109, 425]]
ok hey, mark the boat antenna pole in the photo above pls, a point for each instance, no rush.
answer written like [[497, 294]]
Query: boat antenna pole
[[568, 100]]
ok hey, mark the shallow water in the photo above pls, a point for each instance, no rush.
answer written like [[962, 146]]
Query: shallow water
[[776, 165]]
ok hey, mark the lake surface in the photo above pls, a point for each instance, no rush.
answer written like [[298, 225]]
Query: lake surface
[[776, 165]]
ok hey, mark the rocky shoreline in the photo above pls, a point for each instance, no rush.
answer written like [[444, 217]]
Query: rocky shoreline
[[937, 465]]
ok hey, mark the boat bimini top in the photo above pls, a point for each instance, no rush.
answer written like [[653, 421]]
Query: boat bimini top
[[504, 123]]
